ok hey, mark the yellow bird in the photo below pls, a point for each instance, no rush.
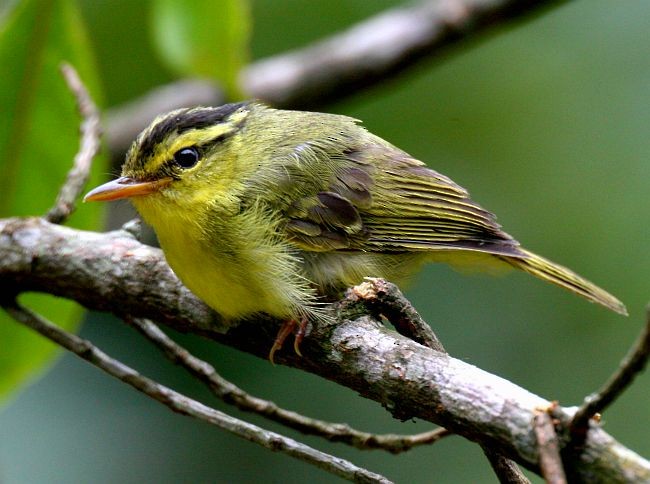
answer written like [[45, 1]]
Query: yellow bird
[[266, 210]]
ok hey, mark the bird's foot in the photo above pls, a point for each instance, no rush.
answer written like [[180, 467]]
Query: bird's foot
[[288, 327]]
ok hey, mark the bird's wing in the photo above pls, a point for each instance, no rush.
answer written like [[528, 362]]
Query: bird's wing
[[379, 199]]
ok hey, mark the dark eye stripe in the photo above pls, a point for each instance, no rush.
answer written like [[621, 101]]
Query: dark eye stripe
[[207, 145]]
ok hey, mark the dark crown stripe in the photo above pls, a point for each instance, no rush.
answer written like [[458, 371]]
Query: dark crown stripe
[[183, 121]]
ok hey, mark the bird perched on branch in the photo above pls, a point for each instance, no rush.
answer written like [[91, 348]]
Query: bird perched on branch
[[265, 210]]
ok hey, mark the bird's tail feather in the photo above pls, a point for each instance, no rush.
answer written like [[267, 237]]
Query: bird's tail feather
[[563, 277]]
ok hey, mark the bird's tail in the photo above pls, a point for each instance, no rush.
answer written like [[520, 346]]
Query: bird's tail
[[563, 277]]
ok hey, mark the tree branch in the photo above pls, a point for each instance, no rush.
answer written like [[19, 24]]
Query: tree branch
[[375, 50], [550, 461], [186, 406], [505, 469], [384, 298], [230, 393], [633, 364], [342, 65], [112, 272], [88, 148]]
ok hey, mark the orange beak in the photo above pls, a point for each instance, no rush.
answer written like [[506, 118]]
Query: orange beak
[[125, 187]]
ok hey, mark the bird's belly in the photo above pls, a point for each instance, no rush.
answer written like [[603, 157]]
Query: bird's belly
[[228, 284]]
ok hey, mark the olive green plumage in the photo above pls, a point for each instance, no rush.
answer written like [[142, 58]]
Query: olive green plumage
[[264, 210]]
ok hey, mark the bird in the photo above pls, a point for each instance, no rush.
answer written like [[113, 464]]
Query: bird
[[263, 210]]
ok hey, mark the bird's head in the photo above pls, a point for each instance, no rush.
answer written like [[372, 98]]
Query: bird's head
[[183, 157]]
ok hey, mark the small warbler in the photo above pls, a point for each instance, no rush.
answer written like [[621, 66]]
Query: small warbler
[[265, 210]]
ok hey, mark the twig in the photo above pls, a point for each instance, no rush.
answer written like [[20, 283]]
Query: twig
[[133, 227], [550, 461], [633, 364], [230, 393], [366, 54], [186, 406], [384, 298], [507, 470], [88, 148]]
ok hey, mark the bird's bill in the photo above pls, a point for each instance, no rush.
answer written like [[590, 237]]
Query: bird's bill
[[125, 187]]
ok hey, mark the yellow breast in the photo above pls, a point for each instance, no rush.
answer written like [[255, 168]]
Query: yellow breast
[[238, 267]]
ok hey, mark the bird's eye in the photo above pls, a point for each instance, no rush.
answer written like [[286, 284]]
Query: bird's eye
[[186, 157]]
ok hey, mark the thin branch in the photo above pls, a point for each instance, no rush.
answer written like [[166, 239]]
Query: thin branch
[[375, 50], [113, 272], [348, 62], [505, 469], [134, 228], [186, 406], [230, 393], [550, 461], [633, 364], [88, 148], [384, 298]]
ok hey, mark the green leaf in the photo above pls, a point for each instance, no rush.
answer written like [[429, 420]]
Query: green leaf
[[39, 136], [204, 38]]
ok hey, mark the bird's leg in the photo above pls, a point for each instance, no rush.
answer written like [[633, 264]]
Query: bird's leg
[[285, 330], [300, 335]]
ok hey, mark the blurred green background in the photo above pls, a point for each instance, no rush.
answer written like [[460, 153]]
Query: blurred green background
[[545, 123]]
